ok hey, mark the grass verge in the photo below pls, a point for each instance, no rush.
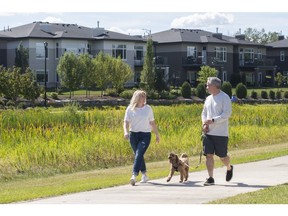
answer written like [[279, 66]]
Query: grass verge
[[271, 195], [34, 188]]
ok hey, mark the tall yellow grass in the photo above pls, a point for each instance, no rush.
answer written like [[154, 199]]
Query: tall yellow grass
[[49, 141]]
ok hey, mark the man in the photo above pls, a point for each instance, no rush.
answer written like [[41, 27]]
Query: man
[[215, 115]]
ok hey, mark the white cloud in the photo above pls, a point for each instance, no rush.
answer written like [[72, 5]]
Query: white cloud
[[52, 20], [6, 14], [201, 20], [128, 31]]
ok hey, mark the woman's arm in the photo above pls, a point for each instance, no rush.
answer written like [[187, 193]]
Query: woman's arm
[[126, 129], [155, 130]]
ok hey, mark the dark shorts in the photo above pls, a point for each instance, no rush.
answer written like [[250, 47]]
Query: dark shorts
[[217, 145]]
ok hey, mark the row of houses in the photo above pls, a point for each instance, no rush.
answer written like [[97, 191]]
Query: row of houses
[[179, 53]]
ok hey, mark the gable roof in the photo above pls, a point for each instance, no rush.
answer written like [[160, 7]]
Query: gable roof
[[61, 30], [279, 44], [197, 36]]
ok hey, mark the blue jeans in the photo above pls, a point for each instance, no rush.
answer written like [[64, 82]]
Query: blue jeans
[[139, 142]]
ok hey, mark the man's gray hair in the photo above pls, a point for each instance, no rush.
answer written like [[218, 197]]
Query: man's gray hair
[[215, 81]]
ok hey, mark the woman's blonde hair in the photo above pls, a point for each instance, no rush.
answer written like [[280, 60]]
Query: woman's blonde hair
[[136, 97]]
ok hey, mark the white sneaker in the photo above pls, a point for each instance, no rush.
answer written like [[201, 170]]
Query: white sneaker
[[144, 179], [133, 180]]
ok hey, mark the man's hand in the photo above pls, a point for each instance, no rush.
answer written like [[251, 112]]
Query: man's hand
[[205, 128]]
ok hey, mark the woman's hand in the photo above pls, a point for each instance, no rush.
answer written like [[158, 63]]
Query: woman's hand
[[126, 136]]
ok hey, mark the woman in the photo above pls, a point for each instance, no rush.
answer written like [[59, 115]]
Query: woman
[[138, 122]]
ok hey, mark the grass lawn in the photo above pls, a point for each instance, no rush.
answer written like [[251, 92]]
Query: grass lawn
[[272, 195], [33, 188]]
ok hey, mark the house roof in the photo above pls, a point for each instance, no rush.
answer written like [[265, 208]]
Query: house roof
[[61, 30], [279, 44], [196, 36]]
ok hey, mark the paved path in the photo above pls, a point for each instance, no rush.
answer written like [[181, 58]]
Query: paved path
[[247, 177]]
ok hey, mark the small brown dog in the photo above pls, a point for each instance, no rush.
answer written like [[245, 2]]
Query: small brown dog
[[179, 164]]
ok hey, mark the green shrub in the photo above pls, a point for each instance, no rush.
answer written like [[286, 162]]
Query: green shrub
[[54, 95], [22, 105], [186, 90], [241, 91], [111, 92], [201, 90], [278, 94], [127, 94], [272, 94], [264, 94], [194, 91], [10, 103], [175, 92], [167, 95], [227, 88], [286, 94], [152, 95], [254, 94]]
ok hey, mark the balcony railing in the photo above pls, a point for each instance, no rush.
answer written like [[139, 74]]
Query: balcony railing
[[160, 60], [138, 62], [256, 62], [192, 61]]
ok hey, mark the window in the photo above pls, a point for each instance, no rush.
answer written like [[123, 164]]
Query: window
[[40, 50], [40, 76], [221, 54], [224, 76], [259, 54], [282, 56], [139, 53], [191, 51], [119, 50], [248, 55], [57, 50]]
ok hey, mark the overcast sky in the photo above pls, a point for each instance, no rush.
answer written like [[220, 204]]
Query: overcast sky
[[165, 14]]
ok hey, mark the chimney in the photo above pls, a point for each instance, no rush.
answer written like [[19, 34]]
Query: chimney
[[98, 24], [239, 31], [217, 30], [217, 35], [281, 37], [240, 37]]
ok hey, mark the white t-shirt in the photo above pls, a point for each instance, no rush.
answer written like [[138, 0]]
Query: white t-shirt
[[219, 108], [139, 118]]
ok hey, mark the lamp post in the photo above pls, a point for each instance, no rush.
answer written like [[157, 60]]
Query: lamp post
[[45, 79], [147, 31]]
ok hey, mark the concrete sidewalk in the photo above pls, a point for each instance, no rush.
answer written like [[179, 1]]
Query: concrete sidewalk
[[247, 177]]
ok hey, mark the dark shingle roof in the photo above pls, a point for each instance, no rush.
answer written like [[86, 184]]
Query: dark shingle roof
[[279, 44], [61, 30], [196, 36]]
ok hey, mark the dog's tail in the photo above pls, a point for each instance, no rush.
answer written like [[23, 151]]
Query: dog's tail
[[184, 155]]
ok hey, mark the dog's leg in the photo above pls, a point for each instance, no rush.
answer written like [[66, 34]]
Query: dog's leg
[[186, 174], [170, 174], [181, 176]]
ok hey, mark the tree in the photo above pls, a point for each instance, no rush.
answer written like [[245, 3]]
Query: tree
[[260, 36], [69, 71], [87, 68], [120, 74], [29, 87], [279, 79], [102, 70], [22, 58], [160, 84], [206, 72], [12, 83], [148, 73]]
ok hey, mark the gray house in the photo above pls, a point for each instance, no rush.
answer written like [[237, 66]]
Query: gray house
[[180, 53], [278, 53], [63, 38]]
